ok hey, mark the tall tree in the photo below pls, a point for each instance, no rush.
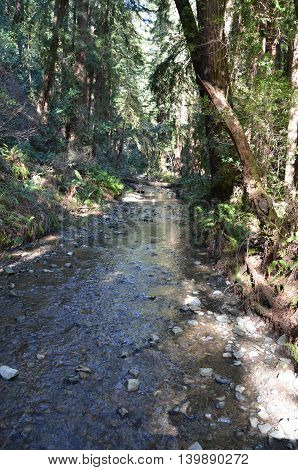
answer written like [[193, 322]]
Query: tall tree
[[60, 9], [253, 185], [293, 121]]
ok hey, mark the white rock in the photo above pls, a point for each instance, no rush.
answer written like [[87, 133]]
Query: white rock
[[192, 302], [253, 422], [177, 330], [227, 354], [222, 318], [133, 385], [217, 293], [193, 323], [195, 446], [263, 415], [40, 356], [277, 434], [239, 388], [264, 428], [253, 354], [7, 372], [238, 354], [206, 372]]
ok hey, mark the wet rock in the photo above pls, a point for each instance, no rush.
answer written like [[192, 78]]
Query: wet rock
[[176, 330], [124, 354], [84, 369], [219, 405], [193, 323], [133, 385], [123, 412], [155, 338], [72, 379], [264, 428], [134, 372], [222, 380], [240, 433], [240, 331], [9, 270], [68, 265], [69, 253], [224, 420], [206, 372], [184, 308], [11, 285], [237, 363], [20, 319], [253, 422], [239, 396], [282, 340], [47, 271], [195, 446], [8, 373], [238, 354]]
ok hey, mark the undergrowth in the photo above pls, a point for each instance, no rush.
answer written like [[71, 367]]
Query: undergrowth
[[32, 194]]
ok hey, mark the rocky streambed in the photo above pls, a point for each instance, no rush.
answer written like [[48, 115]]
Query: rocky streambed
[[122, 335]]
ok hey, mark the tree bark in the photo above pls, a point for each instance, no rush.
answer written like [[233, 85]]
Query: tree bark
[[79, 120], [60, 9], [293, 121], [252, 181]]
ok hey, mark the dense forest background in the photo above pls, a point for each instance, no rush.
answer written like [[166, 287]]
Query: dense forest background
[[202, 94]]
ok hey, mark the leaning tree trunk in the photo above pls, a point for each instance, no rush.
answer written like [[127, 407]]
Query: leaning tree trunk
[[60, 9], [293, 122], [252, 181]]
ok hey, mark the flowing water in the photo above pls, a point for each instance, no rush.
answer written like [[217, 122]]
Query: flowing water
[[78, 314]]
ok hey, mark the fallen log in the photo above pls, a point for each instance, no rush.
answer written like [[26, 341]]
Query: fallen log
[[157, 184]]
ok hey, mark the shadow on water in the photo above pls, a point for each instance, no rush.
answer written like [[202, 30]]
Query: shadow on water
[[94, 297]]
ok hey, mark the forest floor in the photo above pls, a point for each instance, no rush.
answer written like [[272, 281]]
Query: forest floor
[[125, 336]]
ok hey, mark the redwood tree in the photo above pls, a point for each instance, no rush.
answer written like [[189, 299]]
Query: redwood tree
[[197, 34]]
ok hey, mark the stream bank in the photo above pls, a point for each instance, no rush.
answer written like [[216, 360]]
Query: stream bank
[[123, 297]]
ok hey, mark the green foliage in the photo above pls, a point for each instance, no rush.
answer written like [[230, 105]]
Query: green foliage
[[281, 267], [294, 351], [226, 221], [17, 161], [94, 185]]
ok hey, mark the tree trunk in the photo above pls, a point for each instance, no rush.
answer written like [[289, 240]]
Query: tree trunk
[[60, 9], [79, 120], [293, 122], [253, 185]]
